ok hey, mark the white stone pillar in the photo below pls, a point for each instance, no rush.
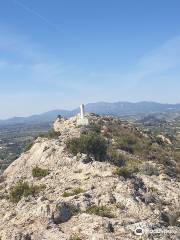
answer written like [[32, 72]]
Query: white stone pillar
[[82, 111]]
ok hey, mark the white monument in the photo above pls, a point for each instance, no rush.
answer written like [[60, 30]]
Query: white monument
[[82, 118], [82, 111]]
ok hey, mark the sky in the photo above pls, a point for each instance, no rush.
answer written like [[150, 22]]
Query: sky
[[57, 54]]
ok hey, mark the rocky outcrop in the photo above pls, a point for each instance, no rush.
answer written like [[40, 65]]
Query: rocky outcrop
[[164, 139], [85, 199]]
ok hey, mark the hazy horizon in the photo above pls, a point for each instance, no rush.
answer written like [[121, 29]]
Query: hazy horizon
[[71, 109], [61, 54]]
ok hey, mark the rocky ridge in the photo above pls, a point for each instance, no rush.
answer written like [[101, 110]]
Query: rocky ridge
[[82, 199]]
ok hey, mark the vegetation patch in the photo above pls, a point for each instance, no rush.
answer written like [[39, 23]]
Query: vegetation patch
[[51, 134], [102, 211], [153, 189], [75, 191], [90, 144], [125, 172], [23, 189], [67, 194], [95, 127], [75, 237], [39, 172], [149, 169], [133, 143], [78, 191], [116, 158]]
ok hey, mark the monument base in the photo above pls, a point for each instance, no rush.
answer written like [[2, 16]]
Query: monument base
[[82, 121]]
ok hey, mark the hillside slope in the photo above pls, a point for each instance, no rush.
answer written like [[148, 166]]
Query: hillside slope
[[55, 192]]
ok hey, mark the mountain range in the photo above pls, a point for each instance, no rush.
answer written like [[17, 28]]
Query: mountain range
[[102, 108]]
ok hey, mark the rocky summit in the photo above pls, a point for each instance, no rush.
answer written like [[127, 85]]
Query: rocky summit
[[107, 180]]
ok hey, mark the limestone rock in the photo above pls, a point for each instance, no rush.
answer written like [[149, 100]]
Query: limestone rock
[[63, 212], [164, 139], [21, 236]]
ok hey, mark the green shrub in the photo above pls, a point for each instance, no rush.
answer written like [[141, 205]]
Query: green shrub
[[95, 127], [75, 237], [160, 155], [149, 169], [125, 172], [39, 172], [23, 189], [75, 191], [91, 144], [117, 159], [153, 189], [67, 194], [51, 134], [102, 211], [129, 143]]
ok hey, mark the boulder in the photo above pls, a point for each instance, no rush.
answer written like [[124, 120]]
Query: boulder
[[63, 212]]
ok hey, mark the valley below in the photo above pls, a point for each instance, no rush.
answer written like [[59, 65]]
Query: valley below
[[14, 138]]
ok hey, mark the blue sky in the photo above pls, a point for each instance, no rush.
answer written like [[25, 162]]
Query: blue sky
[[57, 54]]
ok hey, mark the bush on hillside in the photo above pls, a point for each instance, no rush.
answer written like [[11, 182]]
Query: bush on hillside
[[95, 127], [129, 143], [23, 189], [126, 172], [102, 211], [75, 237], [149, 169], [116, 158], [51, 134], [159, 154], [39, 172], [90, 144], [75, 191]]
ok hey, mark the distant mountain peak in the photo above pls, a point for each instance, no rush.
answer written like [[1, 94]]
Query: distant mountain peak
[[120, 108]]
